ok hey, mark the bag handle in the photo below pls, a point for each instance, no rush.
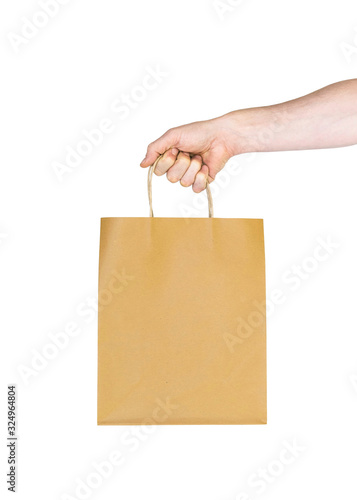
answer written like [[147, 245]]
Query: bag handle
[[152, 170]]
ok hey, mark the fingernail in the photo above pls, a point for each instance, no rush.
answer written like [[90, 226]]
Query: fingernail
[[143, 160]]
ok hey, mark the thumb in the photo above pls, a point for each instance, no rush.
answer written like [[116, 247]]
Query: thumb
[[158, 147], [215, 160]]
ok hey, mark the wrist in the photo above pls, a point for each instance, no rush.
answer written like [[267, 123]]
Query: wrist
[[246, 130]]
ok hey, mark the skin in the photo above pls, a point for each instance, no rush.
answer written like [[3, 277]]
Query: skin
[[193, 154]]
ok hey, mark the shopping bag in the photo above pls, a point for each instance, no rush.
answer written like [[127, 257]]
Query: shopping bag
[[181, 320]]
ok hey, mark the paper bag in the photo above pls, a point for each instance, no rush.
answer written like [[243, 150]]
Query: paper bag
[[181, 321]]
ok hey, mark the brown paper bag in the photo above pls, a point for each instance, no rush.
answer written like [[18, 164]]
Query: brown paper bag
[[181, 321]]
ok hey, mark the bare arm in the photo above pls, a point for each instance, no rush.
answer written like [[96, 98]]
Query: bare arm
[[196, 152]]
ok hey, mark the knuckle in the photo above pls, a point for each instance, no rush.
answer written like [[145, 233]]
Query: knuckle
[[168, 133]]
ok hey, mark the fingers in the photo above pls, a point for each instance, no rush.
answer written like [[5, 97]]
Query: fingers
[[175, 173], [179, 166], [167, 141], [201, 180], [189, 176], [167, 161]]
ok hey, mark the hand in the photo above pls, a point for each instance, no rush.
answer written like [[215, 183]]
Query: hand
[[193, 153]]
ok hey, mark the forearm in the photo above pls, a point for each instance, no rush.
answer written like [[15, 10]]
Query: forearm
[[326, 118], [194, 153]]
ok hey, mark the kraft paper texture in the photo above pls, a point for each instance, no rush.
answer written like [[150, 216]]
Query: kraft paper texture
[[181, 321]]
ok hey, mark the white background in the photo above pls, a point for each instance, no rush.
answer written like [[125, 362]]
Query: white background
[[64, 80]]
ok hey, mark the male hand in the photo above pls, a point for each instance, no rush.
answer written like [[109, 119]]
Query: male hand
[[192, 154]]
